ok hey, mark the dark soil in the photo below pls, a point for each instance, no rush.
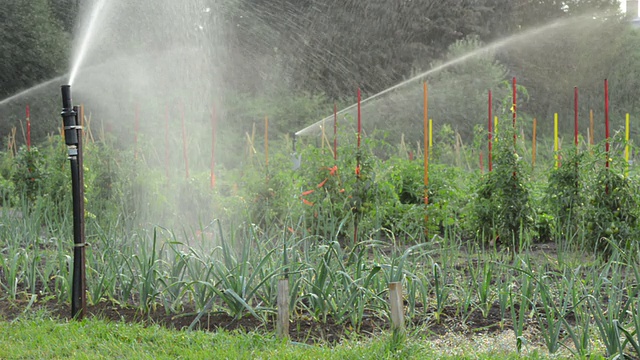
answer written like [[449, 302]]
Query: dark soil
[[302, 328]]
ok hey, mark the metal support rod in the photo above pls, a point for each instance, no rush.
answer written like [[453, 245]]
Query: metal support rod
[[73, 139]]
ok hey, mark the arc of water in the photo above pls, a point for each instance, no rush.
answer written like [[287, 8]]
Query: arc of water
[[98, 10], [316, 127]]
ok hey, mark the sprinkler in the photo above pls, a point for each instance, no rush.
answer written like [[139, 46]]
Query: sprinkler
[[73, 139]]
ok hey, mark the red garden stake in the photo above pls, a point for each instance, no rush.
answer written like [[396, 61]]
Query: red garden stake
[[575, 120], [606, 119], [335, 132], [355, 226], [28, 128], [515, 93], [490, 131], [425, 139]]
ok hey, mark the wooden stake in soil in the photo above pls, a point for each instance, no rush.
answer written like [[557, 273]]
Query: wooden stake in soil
[[591, 137], [395, 305], [282, 326]]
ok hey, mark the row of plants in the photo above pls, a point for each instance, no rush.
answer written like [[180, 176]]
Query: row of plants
[[340, 233], [578, 303]]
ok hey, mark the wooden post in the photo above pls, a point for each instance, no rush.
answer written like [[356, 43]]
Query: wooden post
[[395, 305], [591, 135], [282, 326]]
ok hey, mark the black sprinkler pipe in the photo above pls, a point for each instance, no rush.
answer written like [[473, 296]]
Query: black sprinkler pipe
[[73, 139]]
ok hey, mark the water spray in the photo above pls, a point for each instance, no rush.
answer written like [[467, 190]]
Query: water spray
[[73, 139]]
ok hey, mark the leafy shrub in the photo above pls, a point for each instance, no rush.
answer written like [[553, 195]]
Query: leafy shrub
[[613, 211], [502, 209], [564, 195]]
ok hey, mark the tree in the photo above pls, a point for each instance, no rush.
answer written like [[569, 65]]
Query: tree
[[33, 46], [33, 49]]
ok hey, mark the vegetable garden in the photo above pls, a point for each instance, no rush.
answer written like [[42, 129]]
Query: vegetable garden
[[547, 251]]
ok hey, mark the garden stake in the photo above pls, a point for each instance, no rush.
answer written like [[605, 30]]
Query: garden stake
[[591, 137], [430, 133], [355, 225], [185, 156], [266, 146], [136, 129], [214, 125], [514, 110], [395, 305], [491, 132], [606, 119], [533, 143], [282, 326], [495, 129], [514, 113], [425, 109], [73, 140], [626, 146], [28, 128], [166, 140], [335, 132], [555, 140], [575, 120]]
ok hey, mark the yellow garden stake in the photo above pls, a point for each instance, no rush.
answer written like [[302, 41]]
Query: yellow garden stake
[[626, 146], [555, 139], [430, 133], [495, 129]]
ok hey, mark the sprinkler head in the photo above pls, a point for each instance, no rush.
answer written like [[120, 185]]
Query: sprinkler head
[[69, 117]]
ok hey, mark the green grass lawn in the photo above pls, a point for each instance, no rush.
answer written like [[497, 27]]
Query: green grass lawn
[[96, 339]]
